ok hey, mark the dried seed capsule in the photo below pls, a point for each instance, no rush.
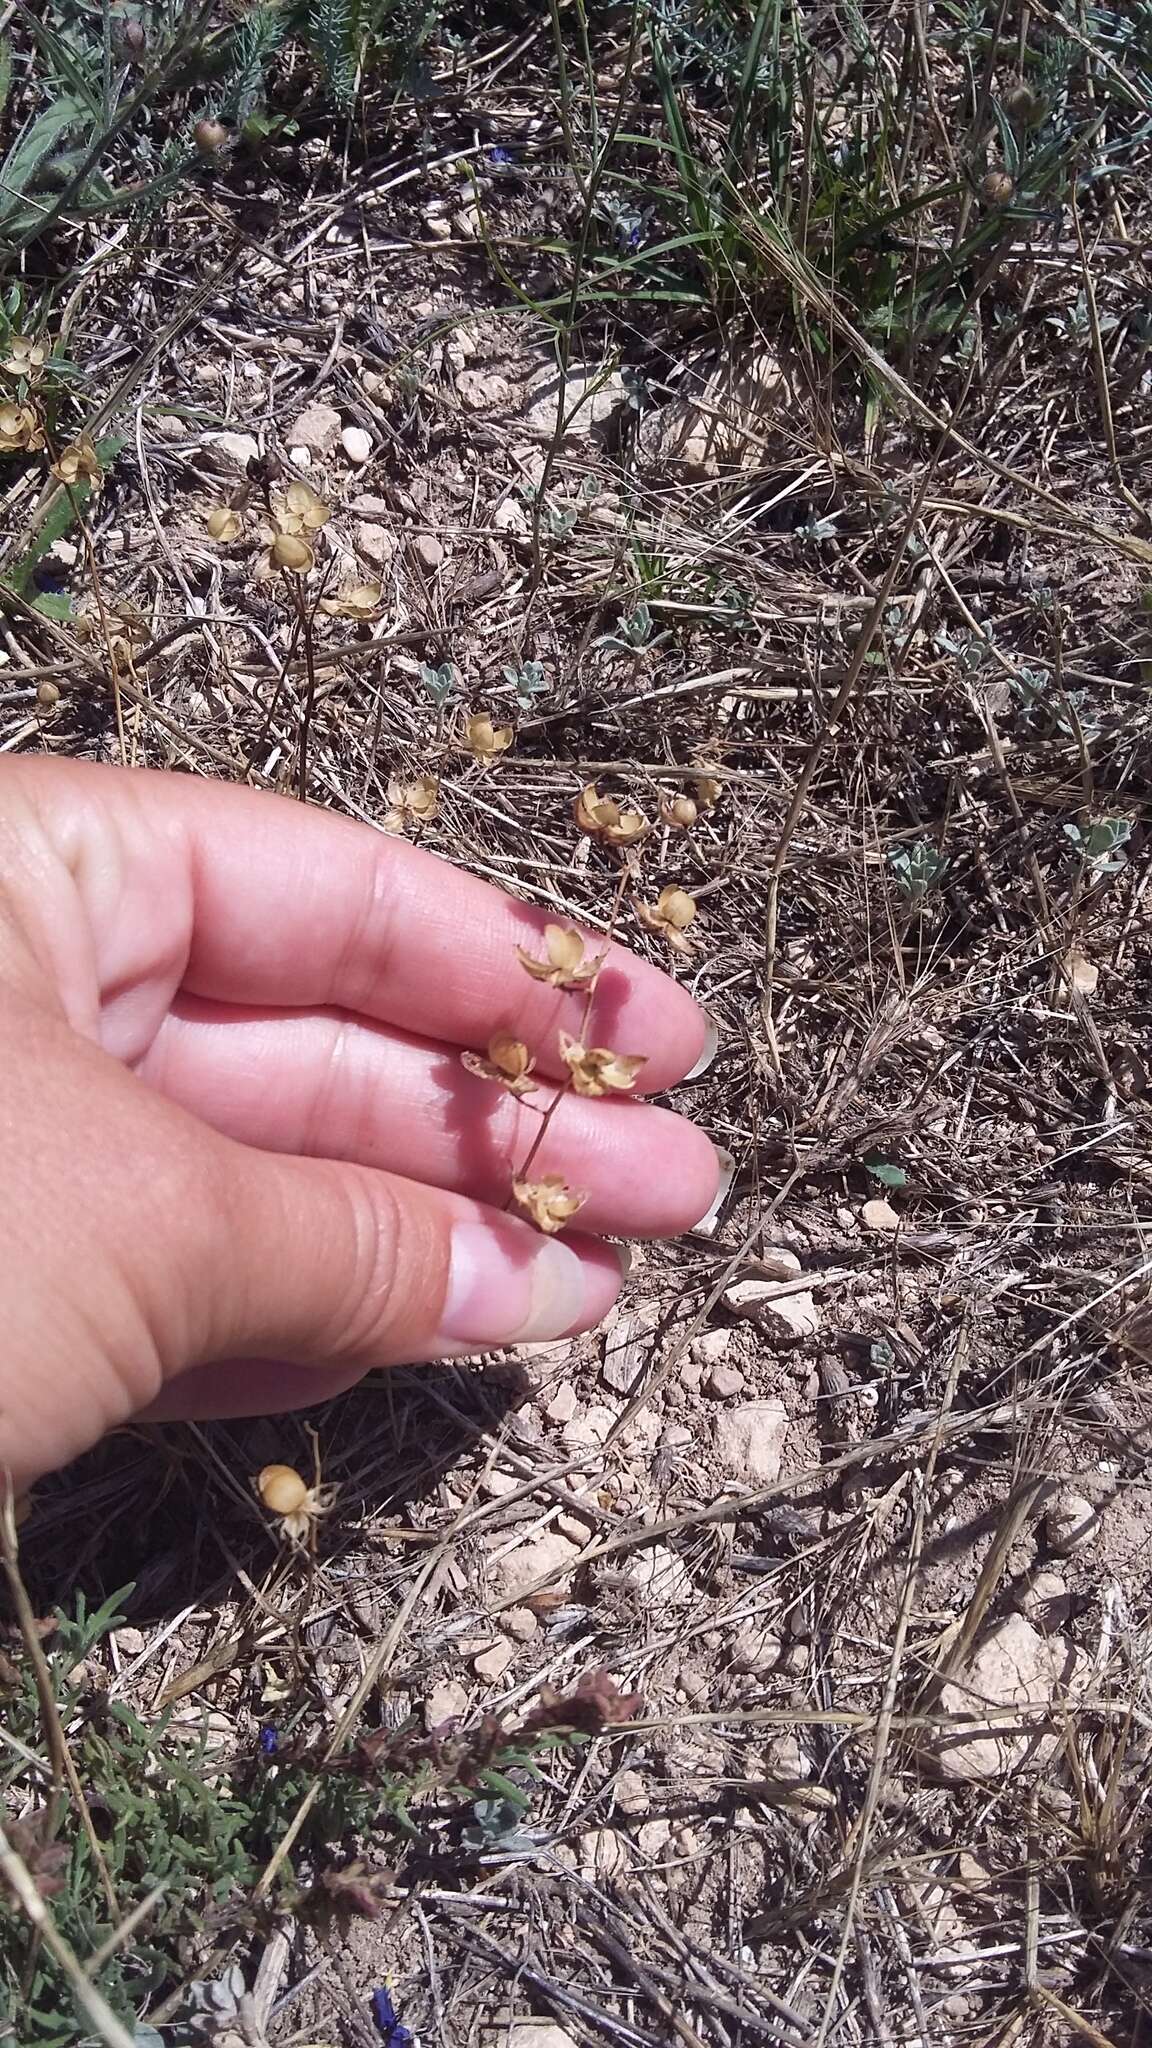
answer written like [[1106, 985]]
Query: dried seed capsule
[[281, 1489], [997, 188], [210, 137]]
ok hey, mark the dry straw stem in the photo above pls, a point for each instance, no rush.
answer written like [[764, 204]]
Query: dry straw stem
[[861, 1833]]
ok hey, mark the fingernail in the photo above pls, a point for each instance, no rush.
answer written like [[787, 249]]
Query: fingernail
[[508, 1285], [707, 1224], [707, 1054]]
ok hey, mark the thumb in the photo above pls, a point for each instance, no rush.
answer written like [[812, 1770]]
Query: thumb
[[128, 1264], [330, 1264]]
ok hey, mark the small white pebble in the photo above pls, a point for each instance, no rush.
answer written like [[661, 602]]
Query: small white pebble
[[357, 445]]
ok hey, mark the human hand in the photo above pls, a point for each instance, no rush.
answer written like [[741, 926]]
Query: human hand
[[242, 1160]]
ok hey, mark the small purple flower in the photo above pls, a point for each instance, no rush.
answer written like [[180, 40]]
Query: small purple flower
[[500, 156], [269, 1741], [395, 2034]]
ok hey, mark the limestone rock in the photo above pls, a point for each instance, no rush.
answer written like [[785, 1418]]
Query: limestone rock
[[777, 1263], [520, 1623], [792, 1318], [631, 1793], [710, 1346], [429, 552], [539, 2034], [788, 1317], [446, 1702], [662, 1577], [1045, 1601], [784, 1758], [1082, 973], [591, 397], [601, 1852], [510, 517], [723, 1381], [1011, 1694], [727, 426], [231, 451], [1071, 1523], [755, 1648], [317, 428], [497, 1485], [483, 391], [589, 1426], [628, 1348], [518, 1572], [562, 1403], [375, 543], [879, 1216], [750, 1440], [654, 1837], [492, 1664], [693, 1684]]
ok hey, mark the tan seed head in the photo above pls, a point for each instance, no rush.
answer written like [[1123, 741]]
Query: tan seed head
[[281, 1489]]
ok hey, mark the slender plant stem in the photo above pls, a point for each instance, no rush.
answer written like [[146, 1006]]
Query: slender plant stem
[[565, 1087]]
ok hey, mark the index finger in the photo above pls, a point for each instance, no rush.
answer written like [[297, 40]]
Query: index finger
[[298, 908]]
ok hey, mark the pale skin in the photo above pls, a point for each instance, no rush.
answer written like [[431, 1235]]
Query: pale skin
[[242, 1161]]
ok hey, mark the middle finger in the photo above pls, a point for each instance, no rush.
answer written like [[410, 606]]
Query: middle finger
[[329, 1085]]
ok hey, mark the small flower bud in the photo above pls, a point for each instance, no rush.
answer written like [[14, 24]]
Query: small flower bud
[[1023, 105], [210, 137], [997, 188], [131, 41]]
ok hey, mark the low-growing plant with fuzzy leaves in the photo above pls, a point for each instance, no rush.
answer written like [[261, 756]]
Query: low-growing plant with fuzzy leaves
[[440, 682], [1101, 845], [528, 679], [917, 868], [171, 1813]]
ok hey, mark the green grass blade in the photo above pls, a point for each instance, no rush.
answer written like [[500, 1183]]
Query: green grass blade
[[768, 18]]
